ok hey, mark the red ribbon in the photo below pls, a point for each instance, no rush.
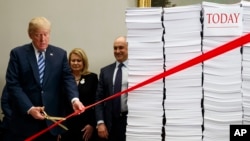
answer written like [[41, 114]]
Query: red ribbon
[[238, 42]]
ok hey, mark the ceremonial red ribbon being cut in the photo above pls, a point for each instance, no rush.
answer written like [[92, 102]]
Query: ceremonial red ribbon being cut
[[199, 59]]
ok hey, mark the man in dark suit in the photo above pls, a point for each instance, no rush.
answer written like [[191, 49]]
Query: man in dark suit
[[30, 92], [111, 124], [5, 105]]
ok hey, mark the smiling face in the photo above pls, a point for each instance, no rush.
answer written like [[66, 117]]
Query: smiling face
[[121, 49], [76, 63]]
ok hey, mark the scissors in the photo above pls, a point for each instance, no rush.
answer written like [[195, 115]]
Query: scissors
[[54, 119]]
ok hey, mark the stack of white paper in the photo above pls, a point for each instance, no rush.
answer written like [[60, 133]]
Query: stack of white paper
[[246, 64], [183, 89], [198, 103], [145, 60], [221, 84], [144, 24]]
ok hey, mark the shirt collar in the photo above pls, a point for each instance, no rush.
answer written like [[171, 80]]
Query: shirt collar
[[125, 63], [35, 49]]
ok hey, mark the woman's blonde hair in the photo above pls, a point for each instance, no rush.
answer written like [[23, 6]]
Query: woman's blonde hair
[[79, 52]]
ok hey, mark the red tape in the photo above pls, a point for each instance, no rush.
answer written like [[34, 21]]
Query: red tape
[[238, 42]]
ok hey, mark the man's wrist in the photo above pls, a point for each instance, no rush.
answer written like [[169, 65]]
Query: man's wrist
[[99, 123], [74, 100], [28, 112]]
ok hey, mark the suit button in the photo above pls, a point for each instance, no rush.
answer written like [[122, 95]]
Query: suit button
[[41, 92]]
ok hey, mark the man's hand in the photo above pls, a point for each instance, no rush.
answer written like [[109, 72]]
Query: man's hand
[[36, 113], [78, 106], [102, 131]]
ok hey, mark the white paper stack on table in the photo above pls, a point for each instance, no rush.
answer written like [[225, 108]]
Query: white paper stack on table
[[145, 60], [246, 64], [183, 89], [222, 74]]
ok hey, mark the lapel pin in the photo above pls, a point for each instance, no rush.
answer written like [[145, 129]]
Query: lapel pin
[[82, 81]]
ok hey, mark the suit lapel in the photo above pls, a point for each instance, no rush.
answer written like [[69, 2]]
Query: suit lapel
[[49, 55], [33, 62], [112, 71]]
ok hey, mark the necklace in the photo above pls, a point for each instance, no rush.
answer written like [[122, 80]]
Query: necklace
[[77, 78]]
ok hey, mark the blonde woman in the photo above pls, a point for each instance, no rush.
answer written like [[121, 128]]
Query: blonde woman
[[82, 127]]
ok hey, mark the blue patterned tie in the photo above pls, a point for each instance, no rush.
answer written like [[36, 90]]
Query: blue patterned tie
[[41, 66], [118, 88]]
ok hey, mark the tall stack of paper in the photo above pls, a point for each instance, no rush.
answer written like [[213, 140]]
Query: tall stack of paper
[[222, 74], [246, 65], [145, 60], [183, 89]]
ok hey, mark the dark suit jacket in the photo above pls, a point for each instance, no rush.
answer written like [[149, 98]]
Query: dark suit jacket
[[104, 90], [5, 105], [87, 91], [25, 90]]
